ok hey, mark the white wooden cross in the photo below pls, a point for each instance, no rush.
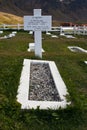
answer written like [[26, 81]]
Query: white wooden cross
[[37, 23]]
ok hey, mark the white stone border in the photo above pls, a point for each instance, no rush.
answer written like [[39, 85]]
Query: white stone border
[[79, 48], [23, 89], [54, 36], [29, 50], [32, 47]]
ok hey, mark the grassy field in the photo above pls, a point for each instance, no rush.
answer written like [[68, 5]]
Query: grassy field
[[73, 71]]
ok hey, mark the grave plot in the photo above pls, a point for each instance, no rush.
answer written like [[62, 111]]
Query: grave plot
[[85, 62], [76, 49], [9, 36], [54, 36], [41, 86], [1, 32], [67, 36], [48, 33]]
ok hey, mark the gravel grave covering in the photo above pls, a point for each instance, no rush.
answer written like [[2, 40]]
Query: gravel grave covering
[[42, 86]]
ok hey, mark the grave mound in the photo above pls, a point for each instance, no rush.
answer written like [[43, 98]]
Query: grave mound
[[76, 49], [41, 85]]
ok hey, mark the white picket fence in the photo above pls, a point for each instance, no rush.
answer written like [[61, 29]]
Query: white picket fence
[[11, 26], [80, 30]]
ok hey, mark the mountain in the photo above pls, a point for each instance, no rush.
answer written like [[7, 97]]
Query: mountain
[[61, 10]]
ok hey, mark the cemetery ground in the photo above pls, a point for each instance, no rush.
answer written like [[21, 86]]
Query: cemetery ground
[[72, 69]]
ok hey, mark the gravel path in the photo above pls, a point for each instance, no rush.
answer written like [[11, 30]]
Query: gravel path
[[42, 87]]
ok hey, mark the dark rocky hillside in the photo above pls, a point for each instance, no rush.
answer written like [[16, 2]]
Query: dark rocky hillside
[[61, 10]]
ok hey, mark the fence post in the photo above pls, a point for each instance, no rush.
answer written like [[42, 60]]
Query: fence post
[[84, 30], [4, 26], [61, 30], [18, 26], [74, 29]]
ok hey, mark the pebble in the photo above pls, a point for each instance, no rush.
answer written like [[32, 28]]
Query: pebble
[[42, 86]]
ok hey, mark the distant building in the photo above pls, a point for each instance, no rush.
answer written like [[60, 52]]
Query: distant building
[[67, 24], [70, 24]]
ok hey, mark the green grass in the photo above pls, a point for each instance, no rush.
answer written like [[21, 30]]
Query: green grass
[[73, 71]]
